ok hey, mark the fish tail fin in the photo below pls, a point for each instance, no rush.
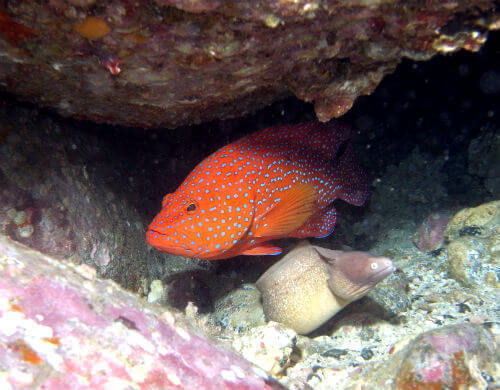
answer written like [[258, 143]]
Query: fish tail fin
[[355, 183]]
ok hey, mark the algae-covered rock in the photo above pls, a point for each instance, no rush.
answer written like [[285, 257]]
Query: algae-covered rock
[[463, 356], [474, 248], [240, 309], [176, 62], [485, 217], [63, 328], [449, 357], [268, 346], [390, 298], [157, 292], [470, 261]]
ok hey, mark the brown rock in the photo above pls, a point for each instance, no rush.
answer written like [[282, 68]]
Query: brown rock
[[175, 62]]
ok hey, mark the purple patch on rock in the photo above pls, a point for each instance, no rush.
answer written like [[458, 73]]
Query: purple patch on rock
[[430, 234], [57, 304]]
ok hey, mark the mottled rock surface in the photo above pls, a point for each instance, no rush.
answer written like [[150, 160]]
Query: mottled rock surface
[[484, 156], [65, 194], [458, 356], [453, 356], [269, 346], [61, 327], [239, 310], [474, 248], [169, 63]]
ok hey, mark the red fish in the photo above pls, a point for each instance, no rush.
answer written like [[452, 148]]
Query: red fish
[[278, 182]]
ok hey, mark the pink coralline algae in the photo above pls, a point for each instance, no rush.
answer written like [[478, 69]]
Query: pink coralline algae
[[431, 232], [60, 327], [449, 357]]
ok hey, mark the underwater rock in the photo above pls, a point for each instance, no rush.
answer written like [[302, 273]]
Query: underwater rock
[[462, 355], [268, 346], [449, 357], [469, 262], [240, 309], [174, 62], [418, 180], [430, 234], [61, 327], [389, 299], [484, 159], [474, 248], [66, 194], [485, 218], [157, 292], [310, 284]]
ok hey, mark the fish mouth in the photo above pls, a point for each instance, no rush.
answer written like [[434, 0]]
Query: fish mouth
[[153, 237], [382, 273], [359, 291], [152, 233], [156, 231], [158, 240]]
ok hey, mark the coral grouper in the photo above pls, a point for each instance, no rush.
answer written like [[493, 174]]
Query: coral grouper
[[278, 182]]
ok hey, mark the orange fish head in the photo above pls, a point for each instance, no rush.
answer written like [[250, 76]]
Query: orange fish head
[[199, 228]]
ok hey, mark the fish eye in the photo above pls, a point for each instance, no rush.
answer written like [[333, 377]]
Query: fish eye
[[374, 266], [191, 207]]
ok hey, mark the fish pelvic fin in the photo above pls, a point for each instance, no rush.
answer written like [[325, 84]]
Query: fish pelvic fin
[[262, 249]]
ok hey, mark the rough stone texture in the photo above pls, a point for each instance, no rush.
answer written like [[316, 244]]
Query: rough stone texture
[[269, 346], [484, 157], [430, 234], [61, 327], [239, 310], [474, 221], [474, 248], [174, 62], [64, 193], [411, 108], [450, 357], [458, 356]]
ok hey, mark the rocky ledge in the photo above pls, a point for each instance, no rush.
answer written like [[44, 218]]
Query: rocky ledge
[[175, 62]]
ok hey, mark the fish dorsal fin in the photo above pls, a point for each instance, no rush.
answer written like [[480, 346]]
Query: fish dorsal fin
[[292, 210]]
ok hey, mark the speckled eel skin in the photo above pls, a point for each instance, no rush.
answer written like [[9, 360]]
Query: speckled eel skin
[[278, 182]]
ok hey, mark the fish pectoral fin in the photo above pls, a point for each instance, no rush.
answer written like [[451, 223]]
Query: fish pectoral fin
[[262, 249], [292, 210]]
